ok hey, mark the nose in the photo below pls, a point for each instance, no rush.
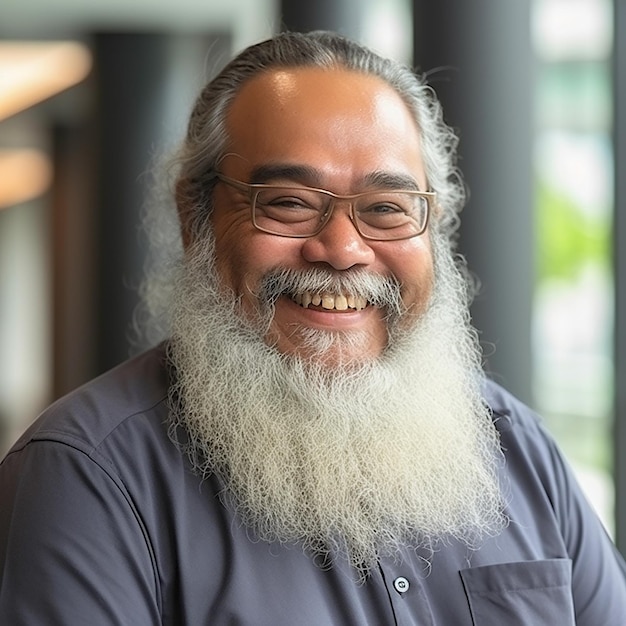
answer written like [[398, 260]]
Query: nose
[[338, 244]]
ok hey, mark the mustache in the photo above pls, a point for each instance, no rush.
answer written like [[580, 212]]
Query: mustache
[[383, 292]]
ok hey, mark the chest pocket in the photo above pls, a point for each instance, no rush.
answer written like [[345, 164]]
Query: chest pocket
[[530, 593]]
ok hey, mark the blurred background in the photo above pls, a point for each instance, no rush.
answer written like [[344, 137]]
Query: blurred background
[[91, 93]]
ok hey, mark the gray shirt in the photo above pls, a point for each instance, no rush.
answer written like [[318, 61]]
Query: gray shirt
[[102, 522]]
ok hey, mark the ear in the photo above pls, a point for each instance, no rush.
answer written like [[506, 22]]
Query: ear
[[184, 206]]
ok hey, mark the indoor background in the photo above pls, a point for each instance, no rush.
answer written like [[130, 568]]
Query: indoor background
[[91, 93]]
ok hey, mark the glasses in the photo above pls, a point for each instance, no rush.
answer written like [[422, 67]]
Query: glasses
[[380, 215]]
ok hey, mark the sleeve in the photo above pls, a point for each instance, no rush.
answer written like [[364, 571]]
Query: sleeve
[[598, 570], [73, 550]]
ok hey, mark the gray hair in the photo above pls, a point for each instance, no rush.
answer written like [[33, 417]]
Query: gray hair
[[206, 139]]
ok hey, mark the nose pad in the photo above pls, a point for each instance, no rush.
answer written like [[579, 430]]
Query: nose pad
[[338, 243], [331, 214]]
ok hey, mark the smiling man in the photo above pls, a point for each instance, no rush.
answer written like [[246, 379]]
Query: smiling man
[[359, 138], [315, 442]]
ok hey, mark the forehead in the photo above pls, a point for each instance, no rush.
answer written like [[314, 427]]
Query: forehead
[[331, 119]]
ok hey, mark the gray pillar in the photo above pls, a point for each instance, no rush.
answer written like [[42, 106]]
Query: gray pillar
[[144, 88], [480, 57], [74, 330], [619, 126], [129, 70], [344, 16]]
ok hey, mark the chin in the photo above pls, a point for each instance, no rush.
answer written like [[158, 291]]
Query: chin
[[331, 349]]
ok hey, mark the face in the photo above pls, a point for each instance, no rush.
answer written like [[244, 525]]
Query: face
[[330, 129]]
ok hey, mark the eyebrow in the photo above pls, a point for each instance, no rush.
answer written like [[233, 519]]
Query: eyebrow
[[302, 174], [390, 180], [311, 177]]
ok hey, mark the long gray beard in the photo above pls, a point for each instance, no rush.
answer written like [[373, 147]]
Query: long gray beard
[[353, 462]]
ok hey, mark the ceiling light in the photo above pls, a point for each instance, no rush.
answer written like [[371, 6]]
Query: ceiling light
[[24, 174], [33, 71]]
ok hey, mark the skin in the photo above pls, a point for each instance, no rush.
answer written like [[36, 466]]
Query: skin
[[336, 127]]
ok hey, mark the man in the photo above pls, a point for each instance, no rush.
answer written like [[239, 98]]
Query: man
[[315, 443]]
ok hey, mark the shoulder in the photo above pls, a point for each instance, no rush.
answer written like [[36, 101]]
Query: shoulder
[[530, 450], [106, 444], [539, 477], [514, 420], [506, 408], [76, 540], [135, 390]]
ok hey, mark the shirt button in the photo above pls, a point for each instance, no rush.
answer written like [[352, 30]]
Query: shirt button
[[401, 584]]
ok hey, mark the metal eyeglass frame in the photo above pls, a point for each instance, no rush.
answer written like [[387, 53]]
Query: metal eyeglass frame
[[253, 190]]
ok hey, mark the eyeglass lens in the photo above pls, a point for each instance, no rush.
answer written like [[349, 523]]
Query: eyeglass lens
[[304, 212]]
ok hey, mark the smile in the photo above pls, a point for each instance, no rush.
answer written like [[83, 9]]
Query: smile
[[330, 302]]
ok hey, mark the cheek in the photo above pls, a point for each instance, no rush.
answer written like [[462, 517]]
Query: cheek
[[235, 247], [413, 266], [229, 264], [245, 256]]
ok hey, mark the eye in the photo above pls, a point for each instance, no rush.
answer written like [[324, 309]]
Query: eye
[[383, 208], [288, 199], [283, 205], [291, 202], [383, 214]]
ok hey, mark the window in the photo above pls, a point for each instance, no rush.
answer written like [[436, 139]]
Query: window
[[573, 300]]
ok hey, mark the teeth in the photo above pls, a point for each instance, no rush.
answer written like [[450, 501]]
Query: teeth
[[341, 303], [329, 301]]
